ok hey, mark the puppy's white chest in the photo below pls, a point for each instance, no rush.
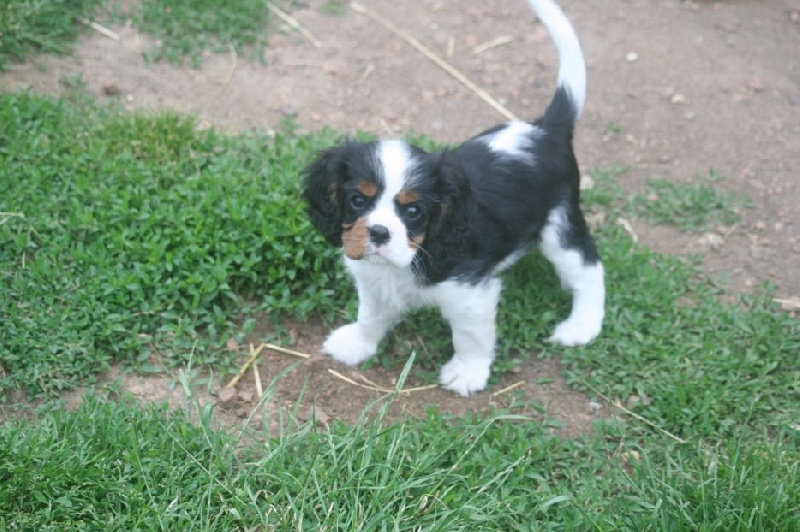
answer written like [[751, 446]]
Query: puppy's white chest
[[393, 287]]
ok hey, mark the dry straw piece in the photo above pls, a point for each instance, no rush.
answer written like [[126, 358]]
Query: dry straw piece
[[369, 385], [441, 63], [291, 21]]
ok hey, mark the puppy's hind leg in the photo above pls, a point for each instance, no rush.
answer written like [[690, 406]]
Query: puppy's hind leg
[[567, 244]]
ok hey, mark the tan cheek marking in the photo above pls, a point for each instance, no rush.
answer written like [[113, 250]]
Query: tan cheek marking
[[404, 197], [368, 189], [354, 239], [416, 241]]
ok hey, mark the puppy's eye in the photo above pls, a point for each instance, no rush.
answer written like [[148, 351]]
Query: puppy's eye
[[358, 202], [413, 212]]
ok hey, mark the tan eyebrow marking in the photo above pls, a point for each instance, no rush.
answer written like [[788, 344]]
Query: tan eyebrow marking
[[404, 197], [368, 189]]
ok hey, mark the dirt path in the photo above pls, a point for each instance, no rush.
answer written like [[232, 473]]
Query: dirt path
[[675, 88]]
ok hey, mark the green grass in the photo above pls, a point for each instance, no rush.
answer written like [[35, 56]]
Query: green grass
[[36, 26], [188, 28], [185, 29], [335, 7], [114, 464], [141, 239], [697, 206]]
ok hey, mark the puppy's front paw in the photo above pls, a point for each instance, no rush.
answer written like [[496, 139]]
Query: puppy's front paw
[[465, 376], [574, 331], [348, 345]]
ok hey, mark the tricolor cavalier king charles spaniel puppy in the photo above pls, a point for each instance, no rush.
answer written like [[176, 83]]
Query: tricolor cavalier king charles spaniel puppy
[[421, 229]]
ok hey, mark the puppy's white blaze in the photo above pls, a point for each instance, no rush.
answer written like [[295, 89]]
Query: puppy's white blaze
[[512, 139], [584, 280], [572, 67], [395, 160], [397, 165]]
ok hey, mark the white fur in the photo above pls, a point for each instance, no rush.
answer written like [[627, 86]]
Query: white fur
[[470, 310], [387, 287], [584, 280], [396, 162], [572, 69], [513, 139], [385, 293]]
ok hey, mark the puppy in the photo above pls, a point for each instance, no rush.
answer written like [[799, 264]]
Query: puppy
[[421, 229]]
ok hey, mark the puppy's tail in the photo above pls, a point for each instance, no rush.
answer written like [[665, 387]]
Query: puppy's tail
[[571, 92]]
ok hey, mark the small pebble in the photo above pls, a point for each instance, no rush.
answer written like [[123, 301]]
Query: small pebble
[[227, 395], [111, 89]]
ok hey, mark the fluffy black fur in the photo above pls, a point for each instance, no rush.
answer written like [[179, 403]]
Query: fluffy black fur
[[512, 199], [479, 206]]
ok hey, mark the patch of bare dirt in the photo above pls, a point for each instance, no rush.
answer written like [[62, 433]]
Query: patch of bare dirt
[[299, 390], [675, 87], [331, 390]]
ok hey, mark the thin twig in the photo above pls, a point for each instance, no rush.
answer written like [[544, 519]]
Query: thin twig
[[285, 351], [99, 28], [368, 381], [234, 61], [367, 71], [635, 415], [508, 388], [257, 376], [441, 63], [348, 380], [494, 43], [791, 303], [6, 216], [730, 231], [451, 47], [629, 228], [294, 23], [254, 352]]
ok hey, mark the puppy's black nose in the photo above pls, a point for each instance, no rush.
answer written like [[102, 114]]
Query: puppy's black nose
[[379, 234]]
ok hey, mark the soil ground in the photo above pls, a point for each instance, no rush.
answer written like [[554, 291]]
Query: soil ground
[[676, 87]]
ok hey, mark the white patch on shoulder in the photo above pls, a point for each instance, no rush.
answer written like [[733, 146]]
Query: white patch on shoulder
[[513, 139]]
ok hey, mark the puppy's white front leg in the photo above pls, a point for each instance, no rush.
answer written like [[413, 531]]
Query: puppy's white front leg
[[471, 312], [354, 343]]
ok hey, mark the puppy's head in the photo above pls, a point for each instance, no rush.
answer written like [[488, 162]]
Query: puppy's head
[[384, 200]]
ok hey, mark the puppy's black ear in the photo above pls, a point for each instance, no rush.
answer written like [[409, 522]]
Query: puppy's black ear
[[455, 210], [322, 193]]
